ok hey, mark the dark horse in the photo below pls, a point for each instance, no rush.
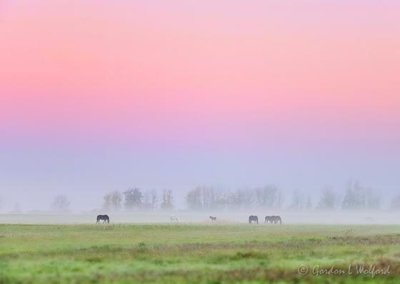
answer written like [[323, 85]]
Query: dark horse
[[103, 218], [253, 219], [273, 219], [213, 219]]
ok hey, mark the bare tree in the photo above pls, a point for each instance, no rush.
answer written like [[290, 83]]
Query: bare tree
[[359, 197], [241, 198], [328, 199], [153, 199], [113, 201], [221, 200], [205, 198], [61, 203], [133, 198], [193, 199], [167, 200], [150, 199], [298, 201], [201, 197], [267, 197]]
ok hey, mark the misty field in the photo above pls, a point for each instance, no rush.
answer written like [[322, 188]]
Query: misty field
[[202, 253]]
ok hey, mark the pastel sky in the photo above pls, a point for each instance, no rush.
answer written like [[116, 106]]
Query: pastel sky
[[102, 95]]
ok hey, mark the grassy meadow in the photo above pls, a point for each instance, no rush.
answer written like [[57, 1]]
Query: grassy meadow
[[199, 253]]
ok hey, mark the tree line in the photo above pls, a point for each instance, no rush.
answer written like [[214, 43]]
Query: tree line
[[355, 196], [135, 198]]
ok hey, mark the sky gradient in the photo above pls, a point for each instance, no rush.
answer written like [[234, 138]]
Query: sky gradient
[[100, 95]]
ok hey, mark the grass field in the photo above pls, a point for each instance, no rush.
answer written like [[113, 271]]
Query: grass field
[[199, 253]]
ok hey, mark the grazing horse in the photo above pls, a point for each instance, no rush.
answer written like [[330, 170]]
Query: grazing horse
[[213, 219], [103, 218], [273, 219], [174, 219], [253, 219], [268, 219]]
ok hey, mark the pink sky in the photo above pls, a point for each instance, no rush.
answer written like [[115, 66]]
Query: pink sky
[[245, 77]]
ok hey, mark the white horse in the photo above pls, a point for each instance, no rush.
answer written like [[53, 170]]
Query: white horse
[[174, 219]]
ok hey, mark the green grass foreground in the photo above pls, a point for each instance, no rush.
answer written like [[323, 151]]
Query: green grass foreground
[[199, 254]]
